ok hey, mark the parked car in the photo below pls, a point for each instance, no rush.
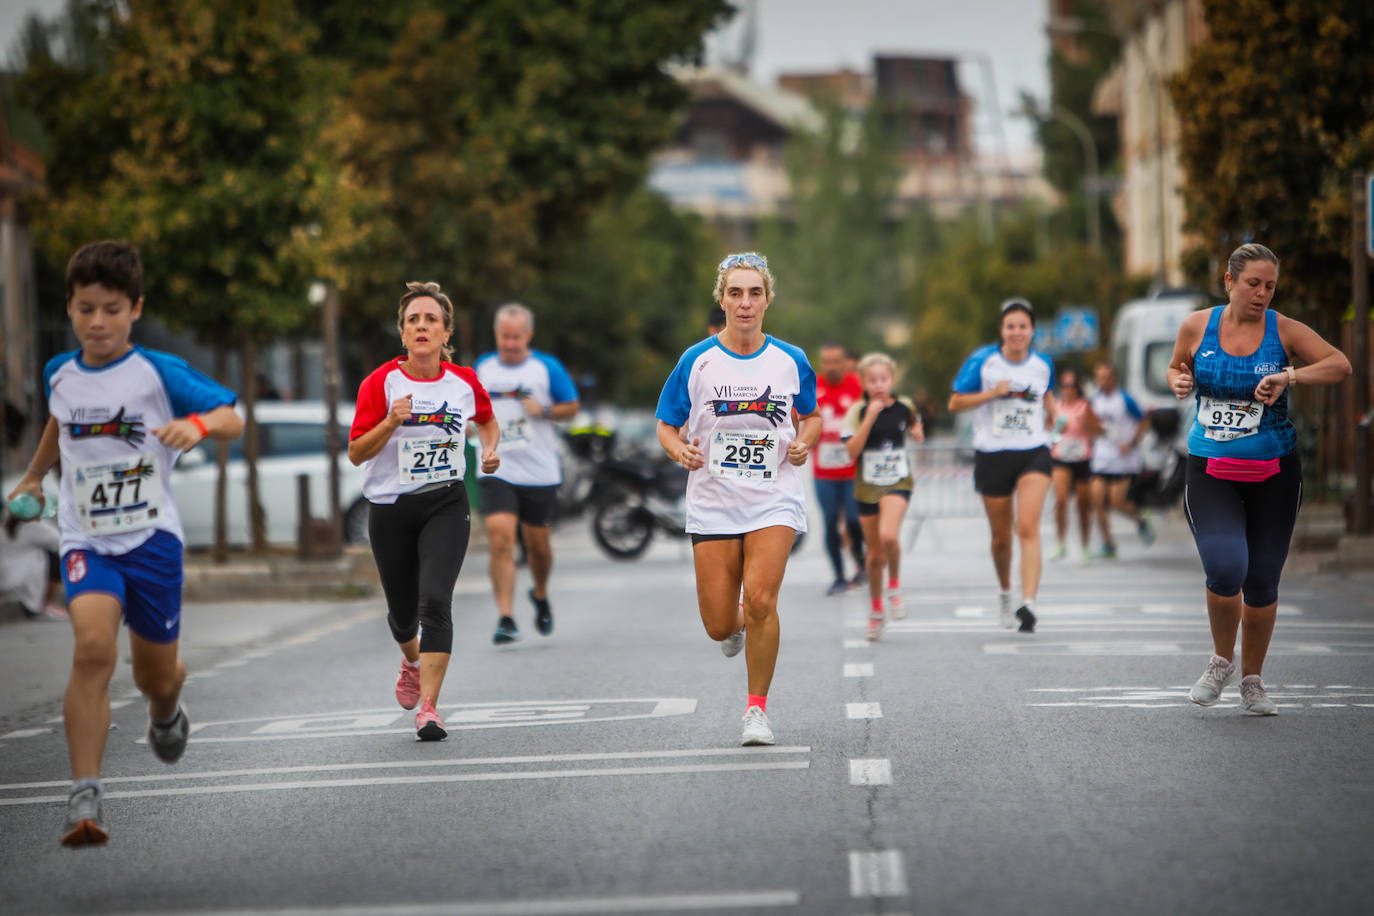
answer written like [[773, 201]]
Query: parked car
[[290, 442]]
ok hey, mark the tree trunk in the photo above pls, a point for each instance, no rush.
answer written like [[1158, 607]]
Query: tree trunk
[[257, 526], [221, 548]]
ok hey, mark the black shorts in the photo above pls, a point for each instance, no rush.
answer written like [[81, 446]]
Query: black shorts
[[698, 538], [871, 509], [1112, 476], [1078, 469], [995, 473], [532, 505]]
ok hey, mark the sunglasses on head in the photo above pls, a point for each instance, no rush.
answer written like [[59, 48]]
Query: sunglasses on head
[[756, 261]]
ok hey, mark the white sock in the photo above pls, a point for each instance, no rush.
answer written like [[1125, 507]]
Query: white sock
[[410, 664], [79, 784], [1029, 604]]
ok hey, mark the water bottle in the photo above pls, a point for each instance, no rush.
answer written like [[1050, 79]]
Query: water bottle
[[26, 507]]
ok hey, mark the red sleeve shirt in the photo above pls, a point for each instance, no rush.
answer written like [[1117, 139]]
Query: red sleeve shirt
[[833, 402]]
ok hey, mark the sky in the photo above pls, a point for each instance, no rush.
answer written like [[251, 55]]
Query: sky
[[1005, 38]]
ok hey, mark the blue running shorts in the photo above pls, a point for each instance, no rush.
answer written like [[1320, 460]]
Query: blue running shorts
[[146, 581]]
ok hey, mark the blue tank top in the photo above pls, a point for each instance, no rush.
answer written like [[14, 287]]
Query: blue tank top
[[1229, 381]]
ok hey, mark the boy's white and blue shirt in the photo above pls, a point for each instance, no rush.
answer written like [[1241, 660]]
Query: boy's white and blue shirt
[[712, 390], [1015, 422], [529, 445], [106, 414], [1120, 416]]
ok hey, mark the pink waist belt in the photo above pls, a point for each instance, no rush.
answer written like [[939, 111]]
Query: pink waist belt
[[1245, 470]]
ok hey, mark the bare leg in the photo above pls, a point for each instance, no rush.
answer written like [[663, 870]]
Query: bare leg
[[501, 539], [1030, 502], [1104, 523], [891, 510], [433, 667], [158, 673], [1258, 627], [86, 707], [1224, 616], [539, 555], [765, 561], [719, 570], [876, 558], [1084, 500], [1063, 480], [998, 509], [411, 649]]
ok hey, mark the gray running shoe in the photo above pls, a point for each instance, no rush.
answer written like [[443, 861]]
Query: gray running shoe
[[1254, 699], [169, 741], [757, 731], [84, 827], [730, 645], [1005, 616], [1220, 673]]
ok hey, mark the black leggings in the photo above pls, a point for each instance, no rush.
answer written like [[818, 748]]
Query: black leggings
[[419, 543], [1243, 530]]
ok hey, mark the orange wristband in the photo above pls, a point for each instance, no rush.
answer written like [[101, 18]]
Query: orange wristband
[[199, 424]]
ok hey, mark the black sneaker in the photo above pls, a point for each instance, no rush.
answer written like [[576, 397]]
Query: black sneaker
[[543, 615], [84, 826], [169, 741], [506, 632], [1027, 619]]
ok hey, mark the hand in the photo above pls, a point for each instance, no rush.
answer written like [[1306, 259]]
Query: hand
[[32, 485], [1270, 387], [179, 435], [1002, 388], [690, 455], [400, 411], [798, 451], [534, 408], [875, 407], [1183, 383], [918, 431], [490, 461]]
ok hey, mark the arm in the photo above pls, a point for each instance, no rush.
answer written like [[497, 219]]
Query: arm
[[855, 443], [565, 410], [1051, 409], [808, 431], [44, 457], [958, 401], [488, 435], [223, 422], [367, 445], [1180, 371], [1091, 422], [1324, 363], [675, 445]]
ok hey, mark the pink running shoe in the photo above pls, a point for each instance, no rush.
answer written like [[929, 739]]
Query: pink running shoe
[[408, 686], [427, 724]]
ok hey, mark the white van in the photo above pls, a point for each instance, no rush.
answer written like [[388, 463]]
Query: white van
[[1142, 343]]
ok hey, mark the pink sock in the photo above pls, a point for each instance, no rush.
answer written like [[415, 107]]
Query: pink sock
[[892, 583], [760, 702], [877, 605]]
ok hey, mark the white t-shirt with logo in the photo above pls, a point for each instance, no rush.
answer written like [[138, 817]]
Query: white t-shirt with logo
[[529, 445], [116, 486], [428, 448], [1120, 416], [1015, 422], [740, 408]]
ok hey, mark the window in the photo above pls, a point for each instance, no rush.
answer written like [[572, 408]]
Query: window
[[1157, 358]]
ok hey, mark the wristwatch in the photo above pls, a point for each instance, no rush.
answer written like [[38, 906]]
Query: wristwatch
[[1292, 375]]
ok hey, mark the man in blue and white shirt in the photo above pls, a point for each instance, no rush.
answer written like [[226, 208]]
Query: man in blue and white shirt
[[1116, 458]]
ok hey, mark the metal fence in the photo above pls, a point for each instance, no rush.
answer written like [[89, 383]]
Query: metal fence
[[944, 487]]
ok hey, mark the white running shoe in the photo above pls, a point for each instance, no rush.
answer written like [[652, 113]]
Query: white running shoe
[[1006, 615], [895, 606], [1254, 699], [1220, 673], [730, 645], [756, 729]]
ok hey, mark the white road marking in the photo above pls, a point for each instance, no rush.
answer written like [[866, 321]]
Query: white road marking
[[566, 906], [27, 733], [174, 775], [877, 874], [666, 770], [858, 669], [871, 772], [1177, 697], [863, 710], [858, 644], [969, 611], [1147, 647]]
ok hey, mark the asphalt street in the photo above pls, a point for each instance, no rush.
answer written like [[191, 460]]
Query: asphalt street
[[952, 767]]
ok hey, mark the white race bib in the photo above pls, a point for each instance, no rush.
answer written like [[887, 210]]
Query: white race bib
[[744, 454], [1012, 417], [429, 460], [832, 455], [1073, 449], [883, 469], [1226, 420], [114, 497], [516, 433]]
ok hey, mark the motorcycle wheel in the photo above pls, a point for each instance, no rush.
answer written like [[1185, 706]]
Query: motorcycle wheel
[[622, 529]]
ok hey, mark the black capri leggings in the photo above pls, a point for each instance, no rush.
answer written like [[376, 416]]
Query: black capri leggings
[[1243, 530], [419, 543]]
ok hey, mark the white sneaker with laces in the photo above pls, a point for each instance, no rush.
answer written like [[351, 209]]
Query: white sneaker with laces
[[1006, 616], [757, 731], [895, 605], [1254, 699], [730, 645], [1220, 674]]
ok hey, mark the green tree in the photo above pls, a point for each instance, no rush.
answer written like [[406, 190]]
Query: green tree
[[491, 131], [835, 250], [1275, 113]]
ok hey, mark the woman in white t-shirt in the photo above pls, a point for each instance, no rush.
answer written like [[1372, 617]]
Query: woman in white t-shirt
[[736, 392], [1009, 388], [408, 430]]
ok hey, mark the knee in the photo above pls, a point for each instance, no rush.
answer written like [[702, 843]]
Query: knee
[[501, 542], [1027, 530], [94, 657], [874, 561], [1001, 540], [759, 605], [162, 683], [890, 543], [720, 631]]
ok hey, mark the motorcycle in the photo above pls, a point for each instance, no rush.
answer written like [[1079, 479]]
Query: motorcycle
[[1160, 484]]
